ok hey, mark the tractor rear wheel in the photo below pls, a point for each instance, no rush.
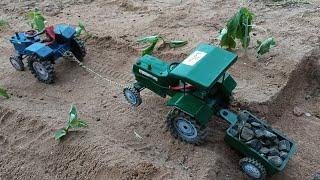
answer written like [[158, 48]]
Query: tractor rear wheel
[[254, 169], [17, 63], [41, 69], [78, 49], [185, 127], [132, 95]]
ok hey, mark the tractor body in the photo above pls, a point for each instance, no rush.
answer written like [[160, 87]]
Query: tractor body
[[41, 53], [199, 86]]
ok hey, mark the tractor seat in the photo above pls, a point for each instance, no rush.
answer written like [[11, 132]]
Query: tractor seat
[[181, 87], [51, 36]]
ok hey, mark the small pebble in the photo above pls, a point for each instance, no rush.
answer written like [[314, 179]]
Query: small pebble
[[247, 134], [308, 114], [276, 160]]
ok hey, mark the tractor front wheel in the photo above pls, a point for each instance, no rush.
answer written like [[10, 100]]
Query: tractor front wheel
[[132, 95], [253, 168], [42, 69], [17, 63], [185, 127]]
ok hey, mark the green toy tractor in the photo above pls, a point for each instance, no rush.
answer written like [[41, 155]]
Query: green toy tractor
[[199, 88]]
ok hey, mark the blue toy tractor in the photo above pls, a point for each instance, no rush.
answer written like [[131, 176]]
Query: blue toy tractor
[[42, 53]]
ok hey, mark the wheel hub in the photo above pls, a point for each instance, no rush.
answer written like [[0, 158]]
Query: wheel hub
[[41, 70], [130, 96], [252, 171], [186, 128]]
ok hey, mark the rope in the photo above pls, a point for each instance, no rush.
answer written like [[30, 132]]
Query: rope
[[109, 81]]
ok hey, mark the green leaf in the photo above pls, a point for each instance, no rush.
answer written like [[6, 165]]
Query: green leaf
[[37, 20], [177, 43], [78, 124], [238, 27], [265, 45], [60, 133], [149, 39], [4, 93], [73, 114], [149, 49], [226, 41], [3, 22]]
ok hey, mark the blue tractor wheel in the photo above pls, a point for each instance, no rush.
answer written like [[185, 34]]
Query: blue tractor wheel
[[41, 69], [132, 95], [17, 63], [185, 127], [253, 168], [78, 49]]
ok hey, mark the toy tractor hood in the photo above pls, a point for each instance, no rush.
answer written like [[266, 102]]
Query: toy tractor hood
[[204, 67]]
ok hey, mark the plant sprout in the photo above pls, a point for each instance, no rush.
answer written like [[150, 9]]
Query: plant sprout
[[37, 20], [153, 40], [4, 93], [73, 122]]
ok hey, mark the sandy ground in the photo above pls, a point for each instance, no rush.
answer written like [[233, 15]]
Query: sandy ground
[[271, 86]]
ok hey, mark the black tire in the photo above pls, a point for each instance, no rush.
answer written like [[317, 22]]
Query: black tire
[[17, 63], [254, 169], [184, 127], [78, 49], [132, 95], [42, 69]]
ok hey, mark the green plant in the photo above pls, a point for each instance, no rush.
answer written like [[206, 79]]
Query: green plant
[[238, 27], [36, 20], [153, 40], [3, 22], [265, 45], [4, 93], [81, 28], [73, 122]]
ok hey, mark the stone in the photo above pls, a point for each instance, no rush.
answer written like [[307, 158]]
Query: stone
[[266, 142], [283, 154], [255, 144], [276, 141], [308, 114], [297, 111], [269, 134], [256, 124], [248, 125], [259, 133], [276, 160], [273, 151], [247, 134], [284, 145], [233, 132], [264, 150], [243, 116]]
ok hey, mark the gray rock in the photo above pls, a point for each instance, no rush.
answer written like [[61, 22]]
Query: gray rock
[[273, 151], [233, 132], [283, 154], [248, 125], [284, 145], [264, 150], [243, 116], [256, 124], [255, 144], [266, 142], [276, 141], [297, 111], [247, 134], [276, 160], [269, 134], [259, 133]]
